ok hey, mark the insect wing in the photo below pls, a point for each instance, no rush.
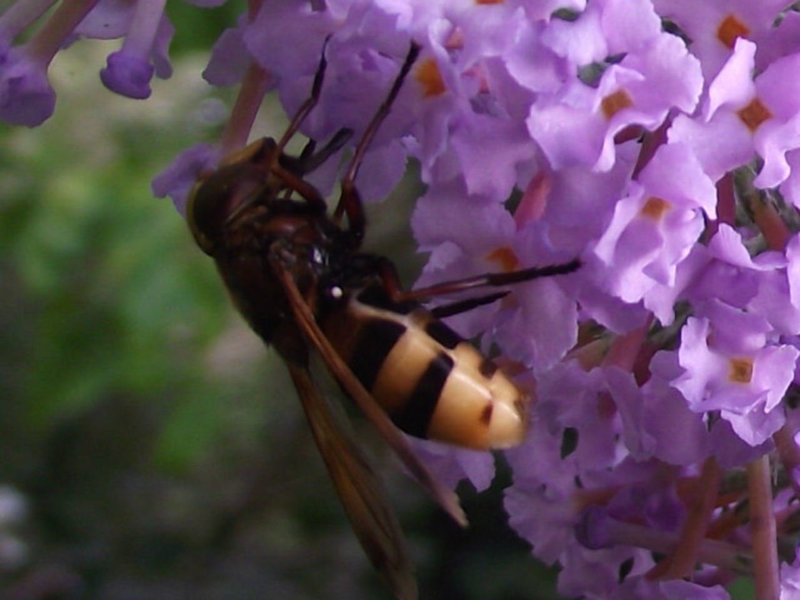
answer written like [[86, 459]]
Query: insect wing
[[359, 489], [446, 498]]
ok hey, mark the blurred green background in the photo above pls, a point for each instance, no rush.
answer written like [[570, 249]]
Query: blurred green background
[[155, 446]]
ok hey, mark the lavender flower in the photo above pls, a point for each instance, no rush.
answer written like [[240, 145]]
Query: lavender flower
[[658, 141], [26, 97]]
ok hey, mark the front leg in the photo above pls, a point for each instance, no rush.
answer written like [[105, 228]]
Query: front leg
[[350, 200]]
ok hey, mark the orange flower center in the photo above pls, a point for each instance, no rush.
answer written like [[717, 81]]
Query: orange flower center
[[613, 103], [429, 77], [505, 257], [741, 370], [754, 114], [730, 29], [654, 208]]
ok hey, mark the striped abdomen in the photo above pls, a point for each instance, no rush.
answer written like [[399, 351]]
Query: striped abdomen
[[432, 383]]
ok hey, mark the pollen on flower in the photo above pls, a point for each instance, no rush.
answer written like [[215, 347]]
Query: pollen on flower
[[505, 257], [731, 28], [754, 114], [654, 208], [613, 103], [428, 75], [741, 370]]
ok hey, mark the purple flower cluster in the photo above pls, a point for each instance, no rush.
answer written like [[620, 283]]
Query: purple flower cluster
[[26, 97], [657, 140]]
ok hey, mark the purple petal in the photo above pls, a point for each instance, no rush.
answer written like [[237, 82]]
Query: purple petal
[[229, 58], [159, 53], [177, 180], [26, 97], [594, 530], [108, 20], [127, 74]]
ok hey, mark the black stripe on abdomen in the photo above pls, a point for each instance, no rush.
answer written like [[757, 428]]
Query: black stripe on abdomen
[[442, 334], [376, 338], [415, 416]]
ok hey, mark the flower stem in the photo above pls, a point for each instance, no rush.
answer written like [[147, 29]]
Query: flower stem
[[709, 552], [251, 94], [687, 551], [534, 199], [762, 530], [769, 222], [49, 39], [789, 453], [21, 14], [726, 204], [625, 348], [143, 27]]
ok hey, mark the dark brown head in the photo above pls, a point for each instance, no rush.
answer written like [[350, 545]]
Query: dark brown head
[[241, 180]]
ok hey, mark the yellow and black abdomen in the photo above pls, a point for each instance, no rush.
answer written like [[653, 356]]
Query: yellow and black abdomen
[[432, 383]]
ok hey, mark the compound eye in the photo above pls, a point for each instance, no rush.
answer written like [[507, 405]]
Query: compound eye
[[216, 197], [196, 220], [204, 215], [335, 292]]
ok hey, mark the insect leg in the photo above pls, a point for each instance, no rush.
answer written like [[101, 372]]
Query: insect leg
[[291, 169], [310, 159], [309, 104], [349, 200], [392, 286], [456, 308], [295, 183]]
